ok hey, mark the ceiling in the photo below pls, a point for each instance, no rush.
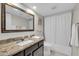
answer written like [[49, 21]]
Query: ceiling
[[46, 9]]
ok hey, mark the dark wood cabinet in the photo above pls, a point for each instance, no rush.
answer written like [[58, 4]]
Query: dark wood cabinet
[[35, 50], [38, 52]]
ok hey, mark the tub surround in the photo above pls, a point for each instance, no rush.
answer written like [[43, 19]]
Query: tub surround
[[9, 47]]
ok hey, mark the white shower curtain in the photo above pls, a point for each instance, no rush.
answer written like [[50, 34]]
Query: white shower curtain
[[58, 29]]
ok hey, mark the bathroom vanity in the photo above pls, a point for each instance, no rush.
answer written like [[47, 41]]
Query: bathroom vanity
[[11, 48], [35, 50]]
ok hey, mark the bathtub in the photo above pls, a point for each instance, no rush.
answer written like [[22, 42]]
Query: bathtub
[[56, 50]]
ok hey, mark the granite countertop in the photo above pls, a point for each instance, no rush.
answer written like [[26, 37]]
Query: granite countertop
[[11, 48]]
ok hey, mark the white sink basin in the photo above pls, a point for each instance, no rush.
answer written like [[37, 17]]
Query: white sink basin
[[25, 42]]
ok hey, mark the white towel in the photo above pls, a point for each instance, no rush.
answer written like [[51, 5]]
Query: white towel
[[74, 38]]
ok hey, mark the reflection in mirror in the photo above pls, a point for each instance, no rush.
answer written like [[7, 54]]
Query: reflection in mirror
[[18, 20]]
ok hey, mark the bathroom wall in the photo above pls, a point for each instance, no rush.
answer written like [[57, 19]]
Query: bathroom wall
[[17, 34], [75, 51]]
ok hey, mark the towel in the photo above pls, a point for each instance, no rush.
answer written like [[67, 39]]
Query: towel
[[74, 39]]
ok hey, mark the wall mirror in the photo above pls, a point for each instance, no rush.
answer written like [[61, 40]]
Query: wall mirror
[[15, 19]]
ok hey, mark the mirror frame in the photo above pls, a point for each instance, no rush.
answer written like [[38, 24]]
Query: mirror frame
[[3, 18]]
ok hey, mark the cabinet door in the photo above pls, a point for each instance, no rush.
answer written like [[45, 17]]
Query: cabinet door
[[39, 51], [28, 52]]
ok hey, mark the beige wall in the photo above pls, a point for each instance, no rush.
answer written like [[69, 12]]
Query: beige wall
[[17, 34]]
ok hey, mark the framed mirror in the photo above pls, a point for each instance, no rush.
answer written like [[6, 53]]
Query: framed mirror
[[15, 19]]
